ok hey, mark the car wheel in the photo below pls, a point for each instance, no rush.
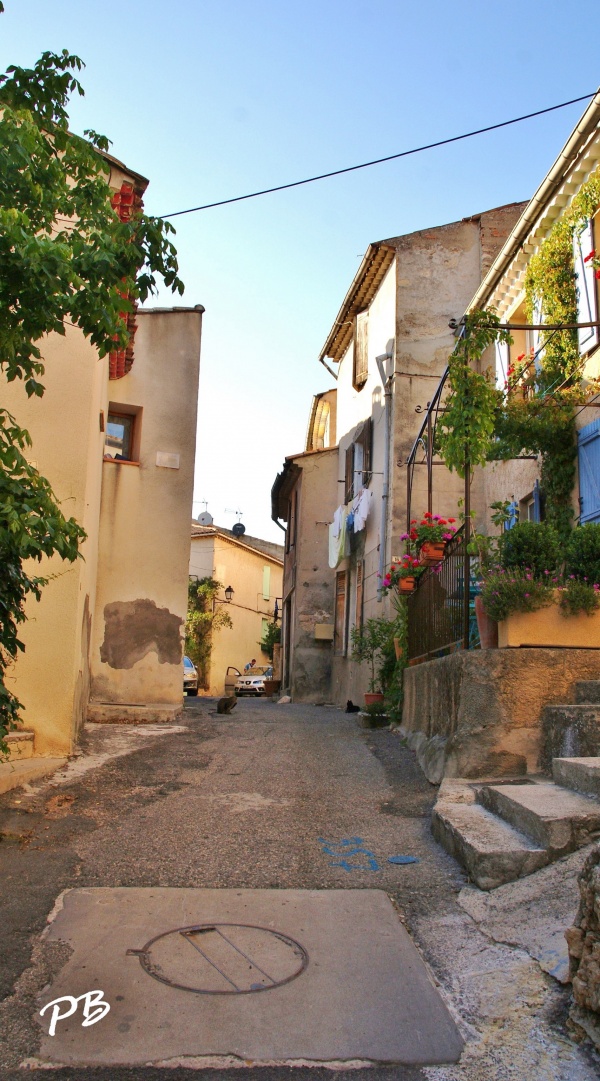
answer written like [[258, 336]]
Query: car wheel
[[192, 692]]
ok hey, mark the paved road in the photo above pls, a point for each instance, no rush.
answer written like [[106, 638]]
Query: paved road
[[242, 801]]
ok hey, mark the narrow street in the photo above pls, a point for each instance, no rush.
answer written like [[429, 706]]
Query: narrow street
[[271, 798]]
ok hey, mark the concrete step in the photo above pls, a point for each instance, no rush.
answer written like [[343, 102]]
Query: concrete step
[[554, 817], [588, 690], [580, 774], [490, 850], [20, 744], [15, 774], [570, 731]]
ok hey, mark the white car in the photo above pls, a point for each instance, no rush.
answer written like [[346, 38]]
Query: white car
[[190, 677], [253, 681]]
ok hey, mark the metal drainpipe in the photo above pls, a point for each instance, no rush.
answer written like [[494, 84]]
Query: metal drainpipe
[[387, 389]]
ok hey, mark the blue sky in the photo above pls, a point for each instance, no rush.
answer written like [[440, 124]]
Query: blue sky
[[211, 99]]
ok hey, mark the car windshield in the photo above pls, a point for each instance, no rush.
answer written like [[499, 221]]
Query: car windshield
[[187, 663], [258, 670]]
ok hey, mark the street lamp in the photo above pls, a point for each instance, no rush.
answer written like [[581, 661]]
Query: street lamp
[[229, 594]]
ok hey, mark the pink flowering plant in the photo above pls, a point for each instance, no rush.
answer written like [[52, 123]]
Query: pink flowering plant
[[407, 566], [506, 591]]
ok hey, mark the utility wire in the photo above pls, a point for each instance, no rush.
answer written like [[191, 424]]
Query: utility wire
[[379, 161]]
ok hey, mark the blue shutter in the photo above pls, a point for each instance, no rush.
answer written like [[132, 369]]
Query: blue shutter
[[513, 515], [587, 309], [588, 445]]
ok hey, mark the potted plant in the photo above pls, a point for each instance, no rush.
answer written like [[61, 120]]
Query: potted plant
[[371, 643], [403, 574], [430, 536], [537, 603]]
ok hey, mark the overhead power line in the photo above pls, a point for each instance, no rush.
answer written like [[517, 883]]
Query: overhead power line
[[379, 161]]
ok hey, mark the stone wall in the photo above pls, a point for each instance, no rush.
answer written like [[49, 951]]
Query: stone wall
[[479, 714], [584, 951]]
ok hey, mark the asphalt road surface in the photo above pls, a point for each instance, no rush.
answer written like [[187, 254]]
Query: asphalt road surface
[[265, 798]]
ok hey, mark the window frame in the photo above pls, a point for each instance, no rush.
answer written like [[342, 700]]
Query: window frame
[[132, 414]]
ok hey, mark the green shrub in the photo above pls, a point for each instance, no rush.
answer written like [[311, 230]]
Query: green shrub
[[533, 546], [583, 552]]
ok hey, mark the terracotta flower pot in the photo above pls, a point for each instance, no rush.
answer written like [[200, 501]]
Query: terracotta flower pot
[[431, 553], [370, 699], [406, 585], [487, 627]]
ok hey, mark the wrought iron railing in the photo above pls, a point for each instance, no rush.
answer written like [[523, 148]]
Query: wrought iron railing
[[440, 618]]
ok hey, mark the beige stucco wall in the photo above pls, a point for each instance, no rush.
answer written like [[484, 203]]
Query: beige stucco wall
[[52, 677], [233, 564], [350, 680], [143, 559], [309, 581]]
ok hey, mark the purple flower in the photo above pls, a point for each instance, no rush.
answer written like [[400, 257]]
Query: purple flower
[[527, 594]]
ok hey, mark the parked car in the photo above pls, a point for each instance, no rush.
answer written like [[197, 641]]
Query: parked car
[[253, 681], [190, 677]]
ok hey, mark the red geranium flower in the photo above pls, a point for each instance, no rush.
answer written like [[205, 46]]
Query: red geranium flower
[[590, 256]]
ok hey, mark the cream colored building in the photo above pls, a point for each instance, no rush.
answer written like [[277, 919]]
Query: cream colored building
[[254, 570], [386, 351], [503, 287], [106, 638]]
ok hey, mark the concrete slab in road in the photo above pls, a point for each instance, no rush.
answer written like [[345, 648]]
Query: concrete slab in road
[[357, 989]]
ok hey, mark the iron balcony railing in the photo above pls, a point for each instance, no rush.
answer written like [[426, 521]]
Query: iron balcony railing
[[440, 618]]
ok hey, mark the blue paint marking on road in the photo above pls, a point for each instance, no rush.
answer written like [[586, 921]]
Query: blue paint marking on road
[[402, 859], [348, 847]]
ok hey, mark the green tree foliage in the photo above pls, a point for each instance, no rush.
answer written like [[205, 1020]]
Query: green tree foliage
[[204, 618], [466, 429], [65, 258], [271, 637]]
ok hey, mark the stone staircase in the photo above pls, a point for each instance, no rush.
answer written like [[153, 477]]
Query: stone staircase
[[501, 831]]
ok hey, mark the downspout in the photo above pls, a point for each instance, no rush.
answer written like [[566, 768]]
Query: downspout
[[386, 381]]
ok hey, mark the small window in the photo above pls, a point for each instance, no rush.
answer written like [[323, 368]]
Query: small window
[[361, 350], [357, 471], [118, 443]]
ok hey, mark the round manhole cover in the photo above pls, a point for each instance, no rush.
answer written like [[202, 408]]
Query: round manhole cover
[[223, 958]]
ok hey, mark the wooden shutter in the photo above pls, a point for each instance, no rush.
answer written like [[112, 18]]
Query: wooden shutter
[[339, 629], [361, 349], [349, 474], [587, 308], [366, 442], [360, 570], [588, 446]]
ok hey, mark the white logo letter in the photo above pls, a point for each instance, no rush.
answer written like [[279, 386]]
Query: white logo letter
[[94, 1007], [56, 1014]]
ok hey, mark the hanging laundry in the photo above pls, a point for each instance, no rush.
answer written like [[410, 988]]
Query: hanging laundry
[[338, 518], [360, 507], [339, 547]]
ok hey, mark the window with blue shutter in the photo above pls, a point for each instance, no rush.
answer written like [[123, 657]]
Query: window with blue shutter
[[587, 308], [588, 446]]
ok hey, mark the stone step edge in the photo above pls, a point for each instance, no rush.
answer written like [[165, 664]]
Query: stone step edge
[[514, 855]]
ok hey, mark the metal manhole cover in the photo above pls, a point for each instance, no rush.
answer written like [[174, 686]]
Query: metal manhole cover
[[222, 958]]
